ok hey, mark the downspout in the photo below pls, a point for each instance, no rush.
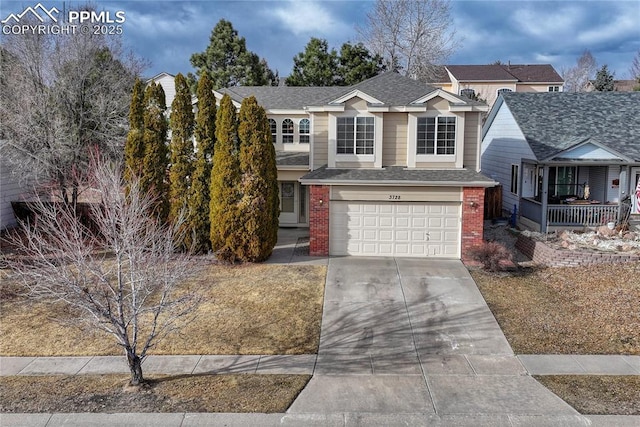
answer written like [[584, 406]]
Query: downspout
[[544, 198]]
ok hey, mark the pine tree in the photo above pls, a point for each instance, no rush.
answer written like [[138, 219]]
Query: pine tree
[[604, 80], [181, 148], [198, 222], [225, 180], [155, 161], [134, 145], [259, 205]]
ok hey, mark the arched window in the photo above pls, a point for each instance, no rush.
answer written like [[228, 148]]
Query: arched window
[[274, 130], [287, 131], [504, 90], [304, 131], [469, 93]]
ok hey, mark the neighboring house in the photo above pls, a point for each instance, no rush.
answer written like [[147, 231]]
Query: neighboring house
[[386, 167], [168, 83], [486, 82], [11, 190], [565, 160]]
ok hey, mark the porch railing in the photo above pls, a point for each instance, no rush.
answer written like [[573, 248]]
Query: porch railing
[[587, 215]]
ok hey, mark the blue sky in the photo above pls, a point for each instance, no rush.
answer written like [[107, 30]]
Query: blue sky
[[167, 32]]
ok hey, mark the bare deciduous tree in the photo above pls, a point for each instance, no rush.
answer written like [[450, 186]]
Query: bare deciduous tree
[[61, 95], [122, 276], [634, 70], [412, 36], [576, 78]]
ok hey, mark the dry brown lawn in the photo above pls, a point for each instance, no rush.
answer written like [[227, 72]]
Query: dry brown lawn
[[193, 393], [246, 309], [581, 310]]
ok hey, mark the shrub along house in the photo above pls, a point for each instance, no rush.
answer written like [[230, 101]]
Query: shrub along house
[[386, 167], [565, 160]]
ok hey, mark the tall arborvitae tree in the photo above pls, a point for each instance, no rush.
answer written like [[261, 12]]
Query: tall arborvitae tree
[[198, 223], [181, 147], [225, 180], [259, 205], [153, 178], [134, 146]]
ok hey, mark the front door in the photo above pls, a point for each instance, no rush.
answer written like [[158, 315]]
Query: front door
[[288, 203]]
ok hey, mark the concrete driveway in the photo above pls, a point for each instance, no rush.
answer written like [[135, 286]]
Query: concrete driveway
[[405, 338]]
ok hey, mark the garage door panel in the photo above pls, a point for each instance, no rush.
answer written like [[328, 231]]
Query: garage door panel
[[395, 229]]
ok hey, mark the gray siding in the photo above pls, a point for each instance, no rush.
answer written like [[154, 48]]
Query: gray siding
[[504, 145], [10, 190]]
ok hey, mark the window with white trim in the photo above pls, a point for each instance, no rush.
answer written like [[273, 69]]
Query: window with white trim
[[514, 179], [355, 135], [287, 131], [304, 128], [504, 90], [554, 88], [273, 126], [436, 135]]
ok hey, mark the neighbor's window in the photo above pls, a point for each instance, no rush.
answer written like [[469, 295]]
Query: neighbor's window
[[304, 131], [355, 135], [554, 88], [504, 90], [514, 179], [274, 130], [287, 131], [436, 136]]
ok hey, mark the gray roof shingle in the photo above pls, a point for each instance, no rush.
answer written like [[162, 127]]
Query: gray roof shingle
[[554, 122], [292, 158], [390, 88], [400, 175]]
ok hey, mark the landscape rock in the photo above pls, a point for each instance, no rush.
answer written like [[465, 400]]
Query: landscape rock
[[603, 230]]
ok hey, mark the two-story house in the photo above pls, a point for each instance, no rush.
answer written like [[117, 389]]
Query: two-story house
[[386, 167], [486, 82]]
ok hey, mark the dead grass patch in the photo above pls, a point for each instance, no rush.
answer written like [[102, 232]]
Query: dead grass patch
[[192, 393], [596, 395], [246, 309], [581, 310]]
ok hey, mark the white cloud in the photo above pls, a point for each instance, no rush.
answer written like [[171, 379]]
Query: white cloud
[[309, 17]]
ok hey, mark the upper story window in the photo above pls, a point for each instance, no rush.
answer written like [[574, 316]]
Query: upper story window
[[554, 88], [274, 130], [504, 90], [287, 131], [436, 136], [469, 93], [304, 128], [355, 135]]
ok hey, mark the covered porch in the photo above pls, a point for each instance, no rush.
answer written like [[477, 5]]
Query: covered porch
[[576, 195]]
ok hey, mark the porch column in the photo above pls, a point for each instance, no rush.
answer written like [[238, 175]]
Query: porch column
[[623, 187], [544, 198]]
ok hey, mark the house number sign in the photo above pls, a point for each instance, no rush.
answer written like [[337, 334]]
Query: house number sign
[[394, 197]]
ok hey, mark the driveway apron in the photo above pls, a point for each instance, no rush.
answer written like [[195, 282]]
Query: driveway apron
[[415, 337]]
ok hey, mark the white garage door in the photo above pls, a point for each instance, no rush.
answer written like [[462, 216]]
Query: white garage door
[[395, 229]]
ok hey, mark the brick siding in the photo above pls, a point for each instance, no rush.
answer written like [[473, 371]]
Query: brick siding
[[472, 220], [543, 254], [319, 220]]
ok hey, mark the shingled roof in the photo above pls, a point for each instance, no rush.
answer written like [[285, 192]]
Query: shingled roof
[[554, 122], [521, 73], [390, 88]]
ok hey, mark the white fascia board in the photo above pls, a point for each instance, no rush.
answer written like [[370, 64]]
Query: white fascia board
[[356, 94], [377, 108], [438, 93], [276, 111], [325, 108], [391, 183], [458, 108]]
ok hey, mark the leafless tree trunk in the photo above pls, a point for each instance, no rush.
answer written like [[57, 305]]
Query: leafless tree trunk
[[634, 70], [576, 78], [413, 36], [123, 279]]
